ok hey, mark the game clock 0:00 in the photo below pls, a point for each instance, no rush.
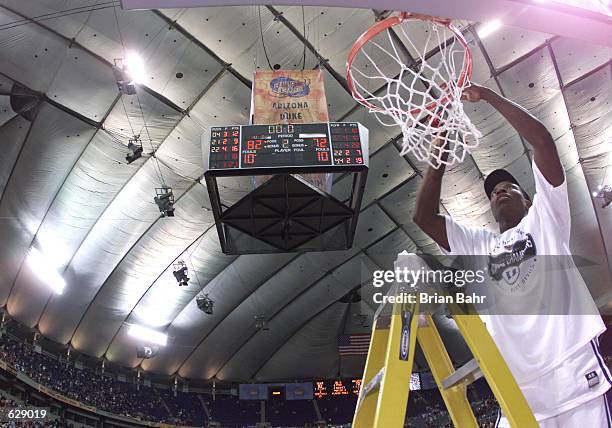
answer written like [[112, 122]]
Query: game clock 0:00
[[286, 145]]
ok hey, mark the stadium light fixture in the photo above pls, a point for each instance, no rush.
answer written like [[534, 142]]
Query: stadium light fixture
[[164, 199], [488, 28], [148, 335], [135, 67], [135, 149], [205, 304], [45, 271], [180, 273]]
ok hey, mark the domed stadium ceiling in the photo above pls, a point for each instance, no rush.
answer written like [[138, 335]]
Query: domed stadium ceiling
[[67, 189]]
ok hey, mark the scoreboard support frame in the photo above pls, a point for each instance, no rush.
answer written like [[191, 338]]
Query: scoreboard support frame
[[287, 213]]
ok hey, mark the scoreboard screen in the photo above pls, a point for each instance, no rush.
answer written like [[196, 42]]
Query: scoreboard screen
[[350, 387], [287, 145]]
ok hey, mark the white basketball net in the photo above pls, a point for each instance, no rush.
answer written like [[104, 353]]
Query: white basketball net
[[442, 135]]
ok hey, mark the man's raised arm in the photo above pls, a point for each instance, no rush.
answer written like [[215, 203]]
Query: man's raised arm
[[427, 210], [528, 127]]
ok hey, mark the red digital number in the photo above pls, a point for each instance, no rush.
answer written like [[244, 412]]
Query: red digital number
[[321, 142], [236, 141], [249, 158], [348, 160], [250, 145], [224, 133], [235, 133], [234, 148], [322, 156], [235, 156], [355, 130], [347, 152], [355, 145], [359, 160]]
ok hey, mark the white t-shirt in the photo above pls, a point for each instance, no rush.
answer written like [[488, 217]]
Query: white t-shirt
[[534, 345]]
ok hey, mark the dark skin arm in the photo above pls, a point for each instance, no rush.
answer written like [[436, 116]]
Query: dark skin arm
[[531, 129], [427, 211]]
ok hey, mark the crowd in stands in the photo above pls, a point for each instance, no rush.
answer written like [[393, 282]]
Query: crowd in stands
[[84, 385], [106, 393]]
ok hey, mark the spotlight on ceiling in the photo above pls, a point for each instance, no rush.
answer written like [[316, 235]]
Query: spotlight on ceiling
[[164, 199], [180, 273], [205, 304], [125, 82], [148, 335], [488, 28], [135, 67], [45, 271], [135, 149], [261, 323], [604, 193]]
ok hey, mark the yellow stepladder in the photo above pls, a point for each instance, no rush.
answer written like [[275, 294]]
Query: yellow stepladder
[[383, 397]]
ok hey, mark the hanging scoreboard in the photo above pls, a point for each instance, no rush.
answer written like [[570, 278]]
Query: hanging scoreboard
[[332, 144]]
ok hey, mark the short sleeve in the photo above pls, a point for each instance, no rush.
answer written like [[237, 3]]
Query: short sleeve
[[463, 240], [552, 205]]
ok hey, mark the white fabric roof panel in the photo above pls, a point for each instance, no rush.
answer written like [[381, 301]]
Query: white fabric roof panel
[[311, 352], [252, 354], [123, 223], [12, 134], [575, 58], [54, 143], [78, 196], [134, 274]]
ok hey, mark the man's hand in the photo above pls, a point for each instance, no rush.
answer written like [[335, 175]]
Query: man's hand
[[528, 127], [472, 93]]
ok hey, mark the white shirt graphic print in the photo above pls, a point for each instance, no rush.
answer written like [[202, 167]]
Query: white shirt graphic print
[[536, 332]]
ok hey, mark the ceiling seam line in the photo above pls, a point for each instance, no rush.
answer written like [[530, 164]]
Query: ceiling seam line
[[210, 52], [301, 293], [263, 281], [526, 55], [123, 186], [495, 75], [43, 97], [322, 61], [72, 42], [587, 74], [151, 286], [103, 283], [57, 193], [400, 226], [560, 82], [25, 139], [293, 333]]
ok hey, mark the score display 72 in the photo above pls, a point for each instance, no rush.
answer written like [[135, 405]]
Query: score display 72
[[286, 145]]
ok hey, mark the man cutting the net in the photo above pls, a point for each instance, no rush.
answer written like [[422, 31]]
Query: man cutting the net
[[554, 358]]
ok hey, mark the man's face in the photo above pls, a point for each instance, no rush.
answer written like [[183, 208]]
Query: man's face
[[507, 201]]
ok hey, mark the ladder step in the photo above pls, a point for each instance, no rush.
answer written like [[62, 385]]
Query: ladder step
[[369, 387], [469, 372]]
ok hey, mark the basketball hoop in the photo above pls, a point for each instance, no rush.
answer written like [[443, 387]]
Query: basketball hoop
[[416, 88]]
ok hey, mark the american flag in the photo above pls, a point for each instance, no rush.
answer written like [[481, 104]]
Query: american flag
[[353, 344]]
